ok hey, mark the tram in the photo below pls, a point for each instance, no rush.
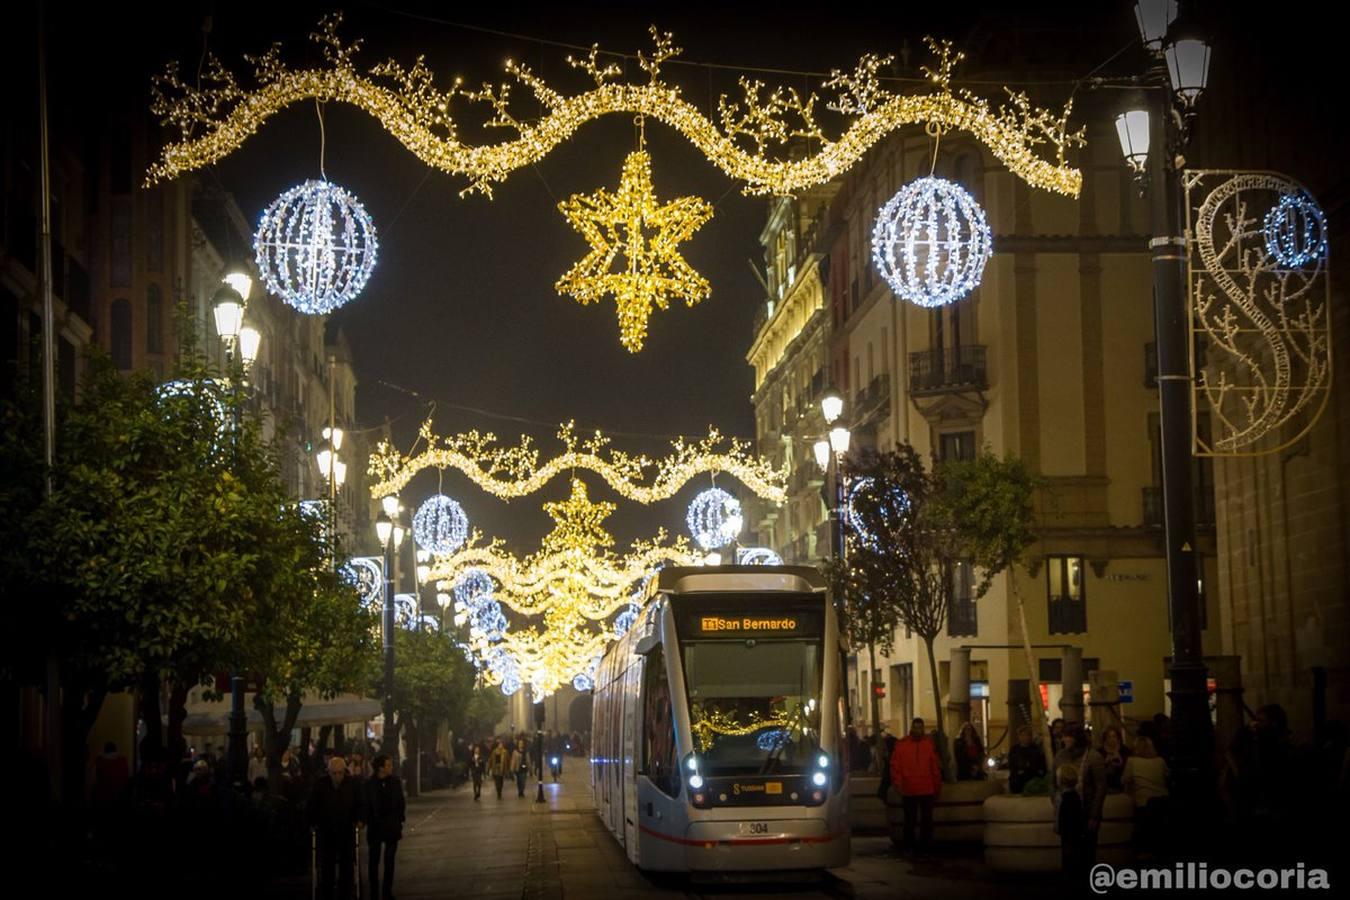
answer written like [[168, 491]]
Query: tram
[[718, 725]]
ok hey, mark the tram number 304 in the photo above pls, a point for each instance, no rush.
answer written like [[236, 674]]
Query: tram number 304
[[754, 828]]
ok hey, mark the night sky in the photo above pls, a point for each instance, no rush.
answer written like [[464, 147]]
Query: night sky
[[461, 310]]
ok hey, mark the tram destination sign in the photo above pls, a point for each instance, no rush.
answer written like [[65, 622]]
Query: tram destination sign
[[759, 624]]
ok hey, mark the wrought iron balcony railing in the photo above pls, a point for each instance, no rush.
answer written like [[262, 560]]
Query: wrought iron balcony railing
[[948, 369]]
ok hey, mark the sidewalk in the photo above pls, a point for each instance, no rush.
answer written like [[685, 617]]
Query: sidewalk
[[515, 847]]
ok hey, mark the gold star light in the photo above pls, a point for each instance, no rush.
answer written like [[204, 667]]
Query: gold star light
[[630, 224]]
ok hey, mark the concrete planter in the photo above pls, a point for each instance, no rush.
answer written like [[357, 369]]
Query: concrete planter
[[867, 811], [1019, 833], [958, 817]]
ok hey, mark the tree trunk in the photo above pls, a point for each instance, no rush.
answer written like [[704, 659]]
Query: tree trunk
[[177, 744], [878, 744], [152, 745], [276, 737], [1039, 726], [78, 714], [414, 781], [937, 705]]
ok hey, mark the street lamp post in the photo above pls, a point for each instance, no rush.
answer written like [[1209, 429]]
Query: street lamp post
[[1152, 138], [829, 452], [241, 343], [388, 533]]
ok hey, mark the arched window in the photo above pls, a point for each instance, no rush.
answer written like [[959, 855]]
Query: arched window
[[154, 319], [121, 333]]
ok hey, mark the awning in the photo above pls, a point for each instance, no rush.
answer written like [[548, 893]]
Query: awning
[[312, 715]]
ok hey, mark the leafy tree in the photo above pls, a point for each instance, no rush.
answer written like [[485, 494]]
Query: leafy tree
[[433, 683], [917, 524], [484, 710]]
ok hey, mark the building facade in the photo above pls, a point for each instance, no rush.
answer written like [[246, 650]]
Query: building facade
[[1049, 359]]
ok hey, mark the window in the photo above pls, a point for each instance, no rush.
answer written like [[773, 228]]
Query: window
[[154, 230], [1066, 594], [659, 761], [961, 616], [154, 319], [956, 445], [121, 333]]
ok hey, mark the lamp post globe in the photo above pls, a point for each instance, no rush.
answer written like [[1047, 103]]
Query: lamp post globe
[[831, 406], [228, 308], [384, 527]]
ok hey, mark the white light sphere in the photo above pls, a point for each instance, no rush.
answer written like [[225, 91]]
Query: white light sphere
[[439, 525], [931, 242], [182, 393], [758, 556], [471, 585], [583, 683], [714, 519], [315, 247], [893, 508], [1295, 230]]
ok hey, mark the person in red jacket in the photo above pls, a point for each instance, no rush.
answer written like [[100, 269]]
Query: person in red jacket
[[916, 774]]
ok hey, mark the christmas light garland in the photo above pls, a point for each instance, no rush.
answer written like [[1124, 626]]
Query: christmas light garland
[[509, 472], [216, 115]]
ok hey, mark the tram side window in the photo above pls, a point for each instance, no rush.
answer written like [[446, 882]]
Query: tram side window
[[658, 728]]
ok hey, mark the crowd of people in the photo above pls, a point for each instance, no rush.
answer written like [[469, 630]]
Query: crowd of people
[[1266, 787]]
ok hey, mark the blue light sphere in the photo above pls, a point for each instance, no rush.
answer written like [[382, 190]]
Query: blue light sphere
[[315, 247], [1295, 230], [931, 242]]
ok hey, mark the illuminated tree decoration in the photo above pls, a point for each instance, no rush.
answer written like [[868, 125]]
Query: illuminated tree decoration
[[931, 242], [758, 556], [893, 509], [714, 519], [440, 525], [315, 247], [1295, 230], [631, 228], [182, 393]]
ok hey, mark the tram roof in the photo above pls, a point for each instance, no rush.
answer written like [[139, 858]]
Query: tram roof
[[713, 579]]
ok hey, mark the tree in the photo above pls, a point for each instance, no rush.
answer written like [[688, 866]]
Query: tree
[[915, 525], [433, 682], [485, 709]]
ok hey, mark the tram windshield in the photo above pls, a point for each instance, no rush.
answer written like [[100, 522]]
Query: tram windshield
[[754, 683]]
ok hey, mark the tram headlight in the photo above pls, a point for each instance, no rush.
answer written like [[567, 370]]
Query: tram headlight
[[696, 781], [818, 779], [691, 763], [823, 761]]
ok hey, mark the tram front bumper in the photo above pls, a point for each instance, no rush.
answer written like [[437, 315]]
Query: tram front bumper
[[765, 845]]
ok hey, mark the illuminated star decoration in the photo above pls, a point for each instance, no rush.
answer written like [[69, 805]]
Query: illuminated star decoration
[[631, 228]]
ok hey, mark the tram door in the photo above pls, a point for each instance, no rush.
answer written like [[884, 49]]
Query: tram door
[[632, 700]]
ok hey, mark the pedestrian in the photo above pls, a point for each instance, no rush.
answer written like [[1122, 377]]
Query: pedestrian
[[1114, 754], [1089, 781], [385, 812], [1145, 779], [333, 812], [477, 766], [887, 750], [918, 776], [111, 776], [520, 765], [969, 754], [499, 764], [1026, 761], [1070, 825], [257, 765], [1056, 735], [357, 767]]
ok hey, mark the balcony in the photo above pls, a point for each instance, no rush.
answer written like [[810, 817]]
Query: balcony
[[873, 399], [948, 370], [1153, 507], [1067, 615]]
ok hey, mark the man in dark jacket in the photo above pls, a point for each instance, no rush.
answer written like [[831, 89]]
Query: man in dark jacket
[[385, 812], [334, 811]]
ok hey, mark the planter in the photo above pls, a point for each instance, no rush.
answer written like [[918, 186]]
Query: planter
[[958, 817], [1019, 833], [867, 811]]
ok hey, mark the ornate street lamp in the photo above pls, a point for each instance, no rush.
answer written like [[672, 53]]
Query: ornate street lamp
[[831, 405], [228, 308], [238, 278], [1154, 17]]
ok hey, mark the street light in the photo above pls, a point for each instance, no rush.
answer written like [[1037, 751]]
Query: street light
[[227, 307], [831, 405], [390, 505], [1177, 75], [334, 435], [822, 450], [385, 530], [237, 277], [839, 440]]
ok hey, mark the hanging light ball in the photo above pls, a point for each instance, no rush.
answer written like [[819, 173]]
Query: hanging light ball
[[185, 394], [625, 621], [471, 585], [1295, 230], [582, 682], [714, 519], [931, 242], [490, 620], [510, 684], [892, 509], [439, 525], [315, 247]]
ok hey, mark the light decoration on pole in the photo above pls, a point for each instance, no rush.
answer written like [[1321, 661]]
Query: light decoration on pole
[[217, 116], [315, 247], [714, 519], [510, 472], [891, 508], [757, 556], [931, 242], [631, 228], [1295, 231], [366, 574], [439, 525]]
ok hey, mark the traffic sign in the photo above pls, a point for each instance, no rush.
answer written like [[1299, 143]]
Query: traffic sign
[[1127, 692]]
